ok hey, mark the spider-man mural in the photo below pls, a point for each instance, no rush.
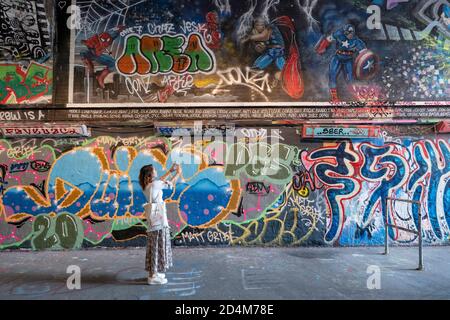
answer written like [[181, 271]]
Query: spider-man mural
[[97, 51]]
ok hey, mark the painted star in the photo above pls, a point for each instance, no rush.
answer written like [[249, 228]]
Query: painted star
[[369, 65], [345, 44]]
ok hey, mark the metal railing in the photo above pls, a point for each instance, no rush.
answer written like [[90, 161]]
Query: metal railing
[[418, 232]]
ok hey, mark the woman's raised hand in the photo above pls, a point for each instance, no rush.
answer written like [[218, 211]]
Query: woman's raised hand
[[177, 168]]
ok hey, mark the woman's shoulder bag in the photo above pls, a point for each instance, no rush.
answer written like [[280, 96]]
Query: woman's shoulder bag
[[153, 213]]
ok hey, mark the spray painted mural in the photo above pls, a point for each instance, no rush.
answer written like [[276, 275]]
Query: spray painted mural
[[72, 192], [25, 51], [299, 51]]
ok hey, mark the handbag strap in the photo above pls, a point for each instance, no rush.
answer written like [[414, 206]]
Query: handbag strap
[[150, 194]]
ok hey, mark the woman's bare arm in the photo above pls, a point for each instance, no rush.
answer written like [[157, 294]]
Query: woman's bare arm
[[168, 173], [176, 176]]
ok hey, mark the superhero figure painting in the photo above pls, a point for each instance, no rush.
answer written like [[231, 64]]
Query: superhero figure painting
[[215, 36], [347, 46], [97, 51], [276, 44]]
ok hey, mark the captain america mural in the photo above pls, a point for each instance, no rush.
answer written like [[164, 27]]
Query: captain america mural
[[351, 57]]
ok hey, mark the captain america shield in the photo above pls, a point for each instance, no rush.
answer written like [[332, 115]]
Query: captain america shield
[[366, 65]]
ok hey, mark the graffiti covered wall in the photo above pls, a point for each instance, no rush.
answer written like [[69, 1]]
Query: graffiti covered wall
[[71, 193], [26, 52], [230, 51]]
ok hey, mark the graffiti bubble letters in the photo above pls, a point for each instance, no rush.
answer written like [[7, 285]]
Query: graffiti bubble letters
[[335, 169], [388, 169], [63, 231], [429, 183], [144, 55], [261, 159], [28, 85]]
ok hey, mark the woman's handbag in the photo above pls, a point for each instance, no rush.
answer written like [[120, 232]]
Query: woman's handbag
[[154, 213]]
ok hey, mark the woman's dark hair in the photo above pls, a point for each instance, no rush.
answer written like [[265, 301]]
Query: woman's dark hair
[[146, 175]]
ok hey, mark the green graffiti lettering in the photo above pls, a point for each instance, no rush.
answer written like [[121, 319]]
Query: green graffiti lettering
[[43, 237], [146, 54], [132, 61], [11, 78], [150, 46], [15, 83], [172, 51], [201, 57], [69, 230], [65, 231], [38, 79]]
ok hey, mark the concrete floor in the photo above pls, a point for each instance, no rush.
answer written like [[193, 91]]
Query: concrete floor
[[229, 273]]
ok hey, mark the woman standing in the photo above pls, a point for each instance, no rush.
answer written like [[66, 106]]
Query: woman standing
[[159, 252]]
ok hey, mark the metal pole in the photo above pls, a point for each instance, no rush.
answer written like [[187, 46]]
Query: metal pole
[[420, 240], [386, 233]]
